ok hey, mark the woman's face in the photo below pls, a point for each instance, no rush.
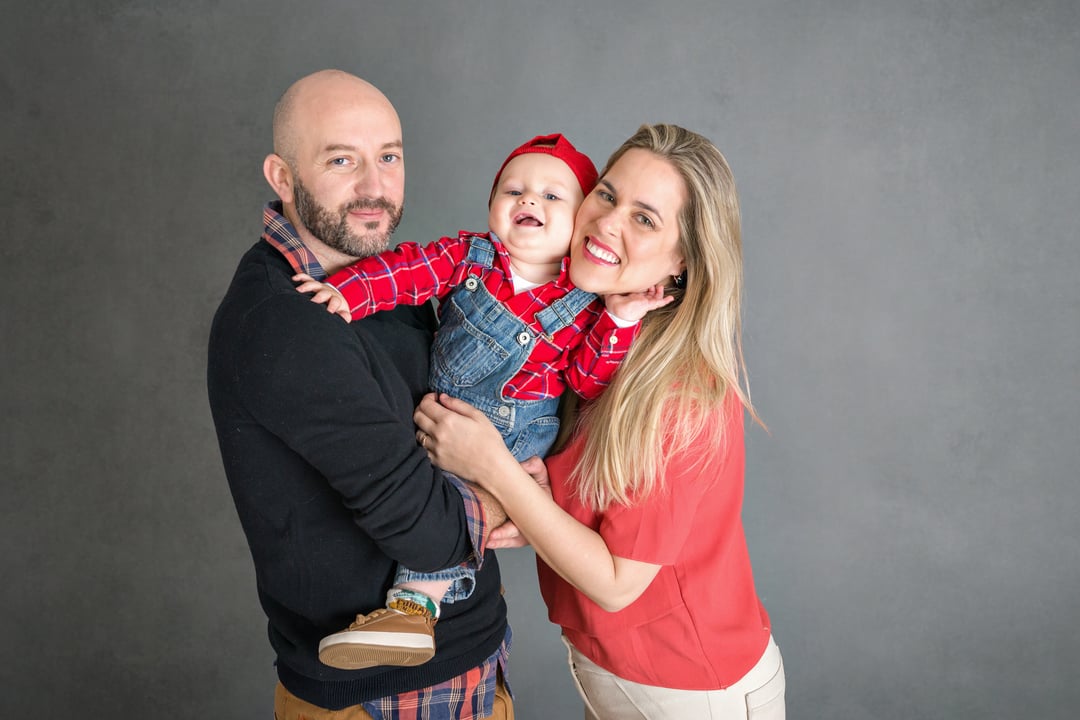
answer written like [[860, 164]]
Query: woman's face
[[626, 233]]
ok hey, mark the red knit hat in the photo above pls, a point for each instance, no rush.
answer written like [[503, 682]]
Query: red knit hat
[[556, 146]]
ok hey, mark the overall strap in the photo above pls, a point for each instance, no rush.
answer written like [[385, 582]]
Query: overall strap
[[481, 251], [561, 313]]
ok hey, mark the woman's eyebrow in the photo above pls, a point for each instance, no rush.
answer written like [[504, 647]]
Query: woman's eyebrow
[[636, 203]]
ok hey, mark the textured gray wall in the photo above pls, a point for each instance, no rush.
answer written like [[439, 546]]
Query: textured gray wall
[[910, 179]]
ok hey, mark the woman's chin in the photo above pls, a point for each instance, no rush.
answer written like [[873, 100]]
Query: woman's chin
[[589, 280]]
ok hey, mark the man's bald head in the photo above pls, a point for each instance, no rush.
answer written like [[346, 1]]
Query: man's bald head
[[313, 95], [338, 165]]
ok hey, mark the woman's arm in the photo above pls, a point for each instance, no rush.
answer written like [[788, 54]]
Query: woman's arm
[[463, 441]]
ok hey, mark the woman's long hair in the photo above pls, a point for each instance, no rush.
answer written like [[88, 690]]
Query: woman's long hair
[[670, 388]]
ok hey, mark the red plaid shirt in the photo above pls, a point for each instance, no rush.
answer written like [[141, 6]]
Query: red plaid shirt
[[583, 355]]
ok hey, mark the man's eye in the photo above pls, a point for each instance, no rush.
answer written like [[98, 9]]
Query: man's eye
[[339, 161], [390, 158]]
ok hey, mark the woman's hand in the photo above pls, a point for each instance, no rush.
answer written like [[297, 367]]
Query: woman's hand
[[460, 439], [634, 306], [324, 293]]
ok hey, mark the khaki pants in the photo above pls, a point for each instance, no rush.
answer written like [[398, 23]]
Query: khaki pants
[[759, 695], [289, 707]]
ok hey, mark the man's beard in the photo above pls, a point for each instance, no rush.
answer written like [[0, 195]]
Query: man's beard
[[333, 230]]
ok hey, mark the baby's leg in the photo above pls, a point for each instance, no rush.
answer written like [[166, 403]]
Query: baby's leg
[[434, 590]]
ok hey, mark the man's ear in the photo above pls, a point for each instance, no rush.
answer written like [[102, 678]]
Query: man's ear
[[278, 173]]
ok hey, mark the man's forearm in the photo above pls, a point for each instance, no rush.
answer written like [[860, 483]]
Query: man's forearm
[[494, 515]]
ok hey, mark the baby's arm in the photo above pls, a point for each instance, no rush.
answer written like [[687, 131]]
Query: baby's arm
[[593, 362], [410, 274], [324, 293]]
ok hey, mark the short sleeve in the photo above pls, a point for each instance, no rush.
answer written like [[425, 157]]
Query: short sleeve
[[705, 477]]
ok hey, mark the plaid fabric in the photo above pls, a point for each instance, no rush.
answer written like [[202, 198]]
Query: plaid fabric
[[467, 697], [471, 694], [583, 356], [280, 233]]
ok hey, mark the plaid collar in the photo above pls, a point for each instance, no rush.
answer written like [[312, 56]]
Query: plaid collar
[[280, 233]]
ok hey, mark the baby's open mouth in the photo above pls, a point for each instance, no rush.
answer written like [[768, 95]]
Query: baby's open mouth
[[527, 220]]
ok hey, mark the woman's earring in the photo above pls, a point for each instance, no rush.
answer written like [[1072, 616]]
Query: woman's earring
[[680, 279]]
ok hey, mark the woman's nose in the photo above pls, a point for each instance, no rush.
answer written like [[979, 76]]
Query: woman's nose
[[608, 224]]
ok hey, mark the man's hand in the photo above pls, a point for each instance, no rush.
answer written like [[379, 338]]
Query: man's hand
[[324, 293], [508, 535]]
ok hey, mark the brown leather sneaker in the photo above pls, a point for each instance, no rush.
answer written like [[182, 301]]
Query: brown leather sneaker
[[382, 637]]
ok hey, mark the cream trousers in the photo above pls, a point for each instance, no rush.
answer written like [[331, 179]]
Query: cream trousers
[[758, 695]]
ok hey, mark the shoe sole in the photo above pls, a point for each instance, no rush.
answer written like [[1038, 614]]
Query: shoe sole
[[359, 650]]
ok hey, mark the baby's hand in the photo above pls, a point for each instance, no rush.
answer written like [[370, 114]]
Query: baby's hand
[[324, 293], [633, 306]]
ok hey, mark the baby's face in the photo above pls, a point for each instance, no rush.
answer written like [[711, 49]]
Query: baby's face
[[533, 209]]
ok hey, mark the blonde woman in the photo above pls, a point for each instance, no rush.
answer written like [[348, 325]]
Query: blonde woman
[[642, 555]]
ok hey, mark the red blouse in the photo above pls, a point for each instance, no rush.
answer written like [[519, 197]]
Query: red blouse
[[699, 625]]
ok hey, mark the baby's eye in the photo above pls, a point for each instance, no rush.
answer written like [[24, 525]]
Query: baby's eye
[[513, 192], [551, 196]]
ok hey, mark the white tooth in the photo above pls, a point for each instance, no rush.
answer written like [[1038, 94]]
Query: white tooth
[[603, 254]]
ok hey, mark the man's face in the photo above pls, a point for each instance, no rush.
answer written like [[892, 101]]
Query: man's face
[[333, 227], [349, 175]]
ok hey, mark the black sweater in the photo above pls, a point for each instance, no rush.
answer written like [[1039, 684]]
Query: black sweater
[[314, 419]]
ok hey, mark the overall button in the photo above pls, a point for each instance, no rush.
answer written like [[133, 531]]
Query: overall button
[[471, 283], [503, 411], [523, 338]]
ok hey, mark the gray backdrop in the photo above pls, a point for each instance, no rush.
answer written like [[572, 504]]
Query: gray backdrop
[[910, 177]]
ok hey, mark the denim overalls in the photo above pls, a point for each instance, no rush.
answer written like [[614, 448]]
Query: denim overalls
[[479, 347]]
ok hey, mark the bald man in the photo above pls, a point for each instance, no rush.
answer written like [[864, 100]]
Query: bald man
[[314, 420]]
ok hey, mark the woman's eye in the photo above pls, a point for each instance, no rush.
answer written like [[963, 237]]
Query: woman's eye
[[605, 196], [645, 220]]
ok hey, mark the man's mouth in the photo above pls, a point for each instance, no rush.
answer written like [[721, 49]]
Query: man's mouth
[[367, 213], [527, 220], [601, 253], [369, 209]]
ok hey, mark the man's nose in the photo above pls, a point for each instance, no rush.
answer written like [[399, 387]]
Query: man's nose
[[367, 182]]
